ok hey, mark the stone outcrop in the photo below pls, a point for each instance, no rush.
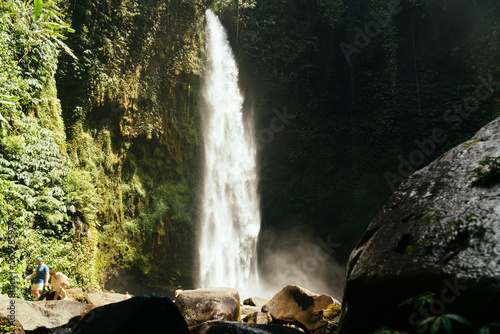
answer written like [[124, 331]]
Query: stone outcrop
[[300, 307], [233, 327], [101, 299], [439, 233], [143, 314], [203, 305], [47, 314]]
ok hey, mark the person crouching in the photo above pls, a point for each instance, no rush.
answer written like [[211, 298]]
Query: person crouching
[[59, 282]]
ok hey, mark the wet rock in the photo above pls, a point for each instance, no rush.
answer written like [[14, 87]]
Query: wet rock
[[203, 305], [438, 233]]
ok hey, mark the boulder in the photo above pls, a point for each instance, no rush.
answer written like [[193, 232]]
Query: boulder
[[142, 314], [5, 321], [49, 314], [255, 301], [202, 305], [101, 299], [299, 306], [438, 234], [233, 327]]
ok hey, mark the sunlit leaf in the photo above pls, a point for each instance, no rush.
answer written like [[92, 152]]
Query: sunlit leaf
[[37, 12]]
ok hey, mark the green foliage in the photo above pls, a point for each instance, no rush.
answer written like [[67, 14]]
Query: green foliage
[[418, 302], [50, 203], [44, 20], [332, 311], [487, 329], [37, 12], [130, 109], [385, 330], [428, 217], [442, 323], [488, 172], [455, 223], [47, 204], [7, 328], [188, 313]]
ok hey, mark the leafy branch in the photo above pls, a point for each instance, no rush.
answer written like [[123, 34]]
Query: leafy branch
[[44, 19]]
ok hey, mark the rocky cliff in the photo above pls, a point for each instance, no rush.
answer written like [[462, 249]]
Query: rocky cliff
[[435, 247]]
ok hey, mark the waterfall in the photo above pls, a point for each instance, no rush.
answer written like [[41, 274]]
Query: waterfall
[[230, 214]]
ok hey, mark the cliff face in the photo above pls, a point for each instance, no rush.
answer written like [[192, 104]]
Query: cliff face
[[130, 109], [439, 233]]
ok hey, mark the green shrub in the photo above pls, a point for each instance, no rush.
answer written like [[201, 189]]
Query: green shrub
[[488, 172]]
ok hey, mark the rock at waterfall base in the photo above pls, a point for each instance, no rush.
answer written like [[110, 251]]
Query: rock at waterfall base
[[300, 307], [203, 305]]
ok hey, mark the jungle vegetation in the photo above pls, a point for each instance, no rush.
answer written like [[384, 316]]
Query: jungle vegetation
[[100, 134]]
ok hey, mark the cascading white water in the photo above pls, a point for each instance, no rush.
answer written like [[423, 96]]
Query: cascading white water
[[230, 217]]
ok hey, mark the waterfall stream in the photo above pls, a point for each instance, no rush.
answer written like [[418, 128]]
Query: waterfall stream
[[230, 217]]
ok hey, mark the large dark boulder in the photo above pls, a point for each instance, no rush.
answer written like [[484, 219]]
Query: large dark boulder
[[438, 234], [143, 314], [203, 305]]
